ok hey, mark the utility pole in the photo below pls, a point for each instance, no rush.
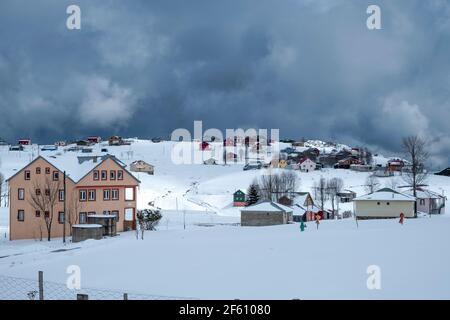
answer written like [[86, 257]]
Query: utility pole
[[64, 216]]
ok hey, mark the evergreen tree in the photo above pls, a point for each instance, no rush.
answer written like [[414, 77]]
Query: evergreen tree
[[253, 194]]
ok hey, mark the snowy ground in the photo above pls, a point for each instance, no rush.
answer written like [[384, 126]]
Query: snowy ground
[[229, 262], [215, 258]]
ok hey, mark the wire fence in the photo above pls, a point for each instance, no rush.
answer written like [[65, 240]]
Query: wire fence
[[12, 288]]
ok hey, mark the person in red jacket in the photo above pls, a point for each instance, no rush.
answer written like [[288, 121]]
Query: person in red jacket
[[402, 217]]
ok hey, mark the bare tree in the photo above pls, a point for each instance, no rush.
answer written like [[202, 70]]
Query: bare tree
[[415, 149], [73, 207], [334, 186], [44, 198], [320, 192], [2, 181], [274, 186], [372, 184]]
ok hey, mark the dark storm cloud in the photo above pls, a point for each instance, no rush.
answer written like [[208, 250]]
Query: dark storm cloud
[[310, 68]]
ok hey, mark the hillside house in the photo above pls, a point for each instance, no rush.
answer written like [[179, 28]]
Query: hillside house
[[265, 213], [142, 166], [445, 172], [94, 139], [115, 141], [307, 165], [92, 188], [239, 199], [346, 196], [16, 148], [204, 146], [428, 202], [24, 142], [395, 165], [384, 203]]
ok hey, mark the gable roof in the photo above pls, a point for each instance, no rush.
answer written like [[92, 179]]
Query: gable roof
[[238, 192], [74, 170], [267, 206], [385, 194]]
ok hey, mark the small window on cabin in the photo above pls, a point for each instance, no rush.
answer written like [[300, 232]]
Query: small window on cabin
[[112, 175], [21, 194], [38, 170], [120, 175], [47, 170], [104, 174], [27, 175], [129, 194], [21, 215], [38, 214], [38, 192], [55, 175], [96, 175]]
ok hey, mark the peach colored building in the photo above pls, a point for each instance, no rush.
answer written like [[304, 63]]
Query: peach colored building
[[92, 187]]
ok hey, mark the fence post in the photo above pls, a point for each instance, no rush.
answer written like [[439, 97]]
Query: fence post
[[82, 296], [41, 285], [125, 296]]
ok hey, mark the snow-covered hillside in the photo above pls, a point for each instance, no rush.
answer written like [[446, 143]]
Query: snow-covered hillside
[[215, 258]]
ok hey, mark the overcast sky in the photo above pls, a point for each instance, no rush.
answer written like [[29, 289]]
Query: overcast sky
[[308, 67]]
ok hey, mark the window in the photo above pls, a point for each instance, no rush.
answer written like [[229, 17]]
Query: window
[[21, 194], [106, 194], [115, 213], [120, 175], [61, 217], [55, 175], [91, 195], [38, 214], [47, 214], [61, 195], [112, 175], [47, 170], [21, 215], [96, 177], [129, 213], [83, 217], [38, 192], [422, 202], [129, 194], [115, 194], [82, 195], [47, 192], [27, 175], [38, 170], [104, 174]]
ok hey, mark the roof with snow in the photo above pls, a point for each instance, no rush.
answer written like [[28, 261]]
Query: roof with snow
[[267, 206], [424, 194], [385, 194], [75, 170]]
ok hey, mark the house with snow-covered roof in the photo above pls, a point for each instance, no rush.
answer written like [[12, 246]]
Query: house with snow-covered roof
[[428, 201], [307, 165], [384, 203], [92, 187], [266, 213]]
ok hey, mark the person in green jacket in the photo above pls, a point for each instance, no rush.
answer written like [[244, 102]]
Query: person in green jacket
[[302, 226]]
